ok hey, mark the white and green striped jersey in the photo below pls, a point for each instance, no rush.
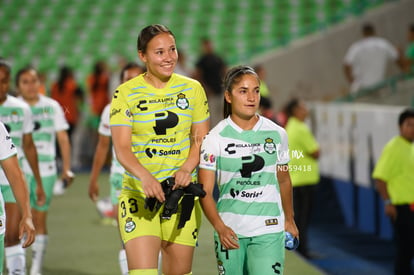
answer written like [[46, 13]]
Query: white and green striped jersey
[[7, 149], [17, 118], [245, 165], [104, 129], [48, 118]]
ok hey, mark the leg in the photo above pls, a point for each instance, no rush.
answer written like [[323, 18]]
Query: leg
[[303, 201], [115, 181], [15, 254], [142, 252], [404, 227], [230, 261], [176, 258], [266, 254], [40, 221], [40, 244], [140, 232], [178, 244]]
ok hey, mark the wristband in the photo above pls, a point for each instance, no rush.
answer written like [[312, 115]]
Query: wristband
[[387, 202]]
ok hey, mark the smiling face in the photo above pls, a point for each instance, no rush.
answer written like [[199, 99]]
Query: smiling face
[[160, 57], [28, 84], [244, 96]]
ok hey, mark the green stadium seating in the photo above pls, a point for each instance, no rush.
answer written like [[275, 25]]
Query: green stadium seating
[[49, 32]]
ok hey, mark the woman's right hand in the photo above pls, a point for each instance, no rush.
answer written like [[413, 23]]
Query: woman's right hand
[[228, 237], [152, 188]]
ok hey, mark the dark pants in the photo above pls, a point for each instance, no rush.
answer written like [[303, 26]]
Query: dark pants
[[303, 197], [404, 237]]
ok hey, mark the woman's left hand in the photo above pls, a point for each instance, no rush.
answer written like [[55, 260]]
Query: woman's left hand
[[290, 226], [182, 179]]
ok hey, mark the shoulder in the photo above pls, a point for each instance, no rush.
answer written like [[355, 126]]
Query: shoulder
[[185, 80], [216, 130], [17, 102], [132, 84]]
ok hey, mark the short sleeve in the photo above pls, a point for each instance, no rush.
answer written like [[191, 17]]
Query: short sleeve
[[28, 124], [383, 167], [7, 148], [60, 121], [209, 153], [120, 113], [104, 123], [283, 150], [201, 110]]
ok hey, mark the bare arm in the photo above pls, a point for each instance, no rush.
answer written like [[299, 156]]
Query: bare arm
[[390, 209], [121, 137], [99, 158], [30, 152], [228, 237], [285, 184], [64, 145], [21, 193], [183, 175]]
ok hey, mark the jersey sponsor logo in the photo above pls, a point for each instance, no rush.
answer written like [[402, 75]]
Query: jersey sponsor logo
[[221, 269], [231, 147], [245, 194], [182, 101], [129, 225], [37, 125], [167, 100], [12, 117], [209, 158], [269, 146], [152, 152], [140, 107], [276, 268], [269, 222], [163, 140], [247, 182], [164, 121], [251, 164], [114, 112]]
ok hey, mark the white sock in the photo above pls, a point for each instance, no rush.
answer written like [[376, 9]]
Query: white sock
[[15, 260], [38, 252], [160, 263], [123, 262]]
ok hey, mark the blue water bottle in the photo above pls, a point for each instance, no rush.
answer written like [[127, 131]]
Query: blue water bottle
[[291, 243]]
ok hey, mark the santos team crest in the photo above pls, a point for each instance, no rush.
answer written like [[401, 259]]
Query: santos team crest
[[129, 225], [182, 101], [269, 146]]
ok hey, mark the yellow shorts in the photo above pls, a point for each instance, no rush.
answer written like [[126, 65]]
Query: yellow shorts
[[136, 221]]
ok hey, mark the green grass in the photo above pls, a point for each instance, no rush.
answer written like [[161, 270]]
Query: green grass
[[80, 244]]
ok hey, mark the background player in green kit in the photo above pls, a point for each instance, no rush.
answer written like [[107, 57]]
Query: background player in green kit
[[128, 72], [246, 154], [17, 118], [50, 125], [158, 121], [10, 165], [394, 175]]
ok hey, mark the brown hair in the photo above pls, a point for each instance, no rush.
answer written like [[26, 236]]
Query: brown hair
[[231, 78], [148, 33]]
